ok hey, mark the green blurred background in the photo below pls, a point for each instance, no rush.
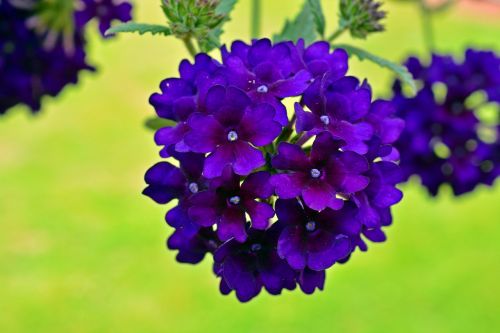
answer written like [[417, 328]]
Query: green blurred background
[[82, 251]]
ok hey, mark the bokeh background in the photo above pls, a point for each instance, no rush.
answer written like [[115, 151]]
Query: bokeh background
[[82, 251]]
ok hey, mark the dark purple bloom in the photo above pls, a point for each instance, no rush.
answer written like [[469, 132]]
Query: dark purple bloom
[[330, 171], [193, 247], [312, 239], [309, 280], [29, 70], [447, 140], [226, 202], [319, 60], [249, 266], [181, 97], [230, 131], [320, 177], [268, 73], [338, 106], [167, 182], [34, 64], [105, 11]]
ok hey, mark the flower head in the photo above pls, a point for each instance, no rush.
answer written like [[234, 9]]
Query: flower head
[[42, 50], [361, 17], [277, 198], [448, 139]]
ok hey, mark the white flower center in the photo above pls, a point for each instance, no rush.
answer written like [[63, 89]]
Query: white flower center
[[256, 247], [262, 89], [193, 187], [235, 200], [315, 173], [232, 136], [325, 120], [311, 226]]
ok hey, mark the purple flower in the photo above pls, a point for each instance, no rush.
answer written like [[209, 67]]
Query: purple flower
[[29, 70], [320, 177], [181, 97], [446, 139], [312, 239], [330, 171], [338, 106], [268, 73], [319, 60], [309, 280], [167, 182], [105, 11], [230, 131], [193, 247], [225, 204], [249, 266], [35, 64]]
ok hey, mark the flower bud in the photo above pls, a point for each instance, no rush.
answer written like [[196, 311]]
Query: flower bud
[[361, 17]]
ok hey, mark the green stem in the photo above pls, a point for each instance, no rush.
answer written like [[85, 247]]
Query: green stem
[[189, 45], [337, 33], [427, 29], [255, 23]]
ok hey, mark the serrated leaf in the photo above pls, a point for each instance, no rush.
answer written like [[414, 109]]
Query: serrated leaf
[[140, 28], [302, 26], [400, 70], [319, 17], [225, 7], [155, 123]]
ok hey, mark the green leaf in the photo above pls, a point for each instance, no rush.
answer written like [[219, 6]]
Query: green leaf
[[154, 123], [225, 7], [319, 17], [400, 70], [301, 27], [140, 28]]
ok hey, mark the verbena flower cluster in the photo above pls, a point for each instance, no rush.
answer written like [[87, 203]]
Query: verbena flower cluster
[[37, 62], [452, 124], [277, 191]]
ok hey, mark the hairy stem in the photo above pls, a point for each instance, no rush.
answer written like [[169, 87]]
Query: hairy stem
[[189, 45], [255, 22], [337, 33]]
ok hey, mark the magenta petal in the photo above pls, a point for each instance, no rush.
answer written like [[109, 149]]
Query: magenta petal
[[205, 134], [168, 136], [288, 186], [290, 157], [258, 126], [305, 120], [291, 247], [260, 213], [354, 135], [218, 160], [258, 185], [319, 196], [247, 158], [309, 280], [203, 216], [289, 211], [232, 106], [232, 224], [387, 196], [293, 86], [338, 248]]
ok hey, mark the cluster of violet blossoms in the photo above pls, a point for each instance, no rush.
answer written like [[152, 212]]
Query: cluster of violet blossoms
[[35, 61], [452, 133], [276, 191]]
